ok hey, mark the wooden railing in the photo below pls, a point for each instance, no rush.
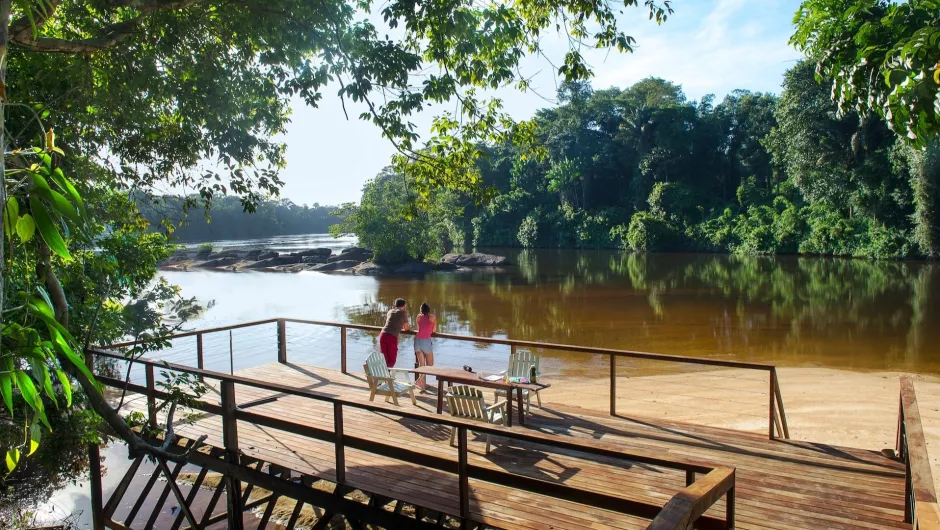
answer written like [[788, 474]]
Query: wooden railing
[[920, 506], [688, 505], [776, 415]]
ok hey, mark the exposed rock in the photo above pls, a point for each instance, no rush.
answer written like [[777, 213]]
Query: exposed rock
[[355, 253], [203, 253], [253, 255], [335, 265], [268, 254], [176, 258], [313, 259], [358, 258], [221, 262], [475, 260], [275, 261], [413, 267], [442, 266], [370, 268], [325, 252], [225, 254]]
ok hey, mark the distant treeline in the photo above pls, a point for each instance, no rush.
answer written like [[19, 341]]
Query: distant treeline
[[644, 168], [228, 219]]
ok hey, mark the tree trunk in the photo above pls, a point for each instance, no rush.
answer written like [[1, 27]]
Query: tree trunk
[[4, 36], [925, 171]]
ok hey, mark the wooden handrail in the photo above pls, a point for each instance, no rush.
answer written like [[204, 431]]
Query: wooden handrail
[[921, 508], [595, 448], [777, 420], [231, 415], [687, 506]]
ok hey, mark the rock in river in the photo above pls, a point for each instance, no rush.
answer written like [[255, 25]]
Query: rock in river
[[268, 255], [254, 255], [355, 253], [325, 252], [475, 260], [335, 265], [221, 262], [370, 268], [225, 254], [317, 258], [275, 261]]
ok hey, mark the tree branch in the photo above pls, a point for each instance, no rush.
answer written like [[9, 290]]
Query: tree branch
[[113, 35]]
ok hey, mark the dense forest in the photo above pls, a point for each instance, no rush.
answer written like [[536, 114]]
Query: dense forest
[[228, 219], [644, 168]]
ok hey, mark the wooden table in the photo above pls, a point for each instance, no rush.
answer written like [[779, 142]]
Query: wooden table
[[463, 377]]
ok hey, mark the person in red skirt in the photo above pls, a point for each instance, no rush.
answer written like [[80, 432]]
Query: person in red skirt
[[395, 321]]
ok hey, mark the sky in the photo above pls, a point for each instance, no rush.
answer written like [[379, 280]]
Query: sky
[[706, 46]]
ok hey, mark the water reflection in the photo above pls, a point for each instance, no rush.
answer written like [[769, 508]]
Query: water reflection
[[789, 310]]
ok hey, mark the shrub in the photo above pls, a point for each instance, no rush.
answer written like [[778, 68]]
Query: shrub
[[648, 233], [528, 231], [204, 249]]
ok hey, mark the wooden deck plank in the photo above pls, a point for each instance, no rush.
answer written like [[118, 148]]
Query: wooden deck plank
[[780, 484]]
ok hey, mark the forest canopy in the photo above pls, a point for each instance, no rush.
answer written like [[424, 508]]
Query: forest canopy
[[644, 168], [226, 218]]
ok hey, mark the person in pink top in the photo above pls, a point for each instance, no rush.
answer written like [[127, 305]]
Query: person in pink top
[[424, 348]]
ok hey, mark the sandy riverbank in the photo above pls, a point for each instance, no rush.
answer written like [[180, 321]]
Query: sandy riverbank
[[837, 407]]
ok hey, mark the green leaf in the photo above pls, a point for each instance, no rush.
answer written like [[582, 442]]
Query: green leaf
[[50, 234], [66, 386], [25, 227], [10, 214], [6, 388], [35, 434], [59, 203], [59, 178], [13, 458], [28, 389]]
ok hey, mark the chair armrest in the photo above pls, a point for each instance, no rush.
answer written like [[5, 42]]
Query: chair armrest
[[396, 371], [498, 405]]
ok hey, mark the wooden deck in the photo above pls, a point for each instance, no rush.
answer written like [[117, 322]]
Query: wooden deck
[[779, 484]]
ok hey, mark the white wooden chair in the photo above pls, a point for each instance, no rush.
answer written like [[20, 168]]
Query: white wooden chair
[[467, 402], [382, 380], [521, 364]]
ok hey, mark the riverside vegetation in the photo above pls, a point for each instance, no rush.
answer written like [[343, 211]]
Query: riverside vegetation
[[209, 94], [645, 169]]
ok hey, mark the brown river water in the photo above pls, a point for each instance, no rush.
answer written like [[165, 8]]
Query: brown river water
[[792, 311]]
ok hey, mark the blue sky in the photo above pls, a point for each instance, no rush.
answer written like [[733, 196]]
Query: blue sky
[[707, 46]]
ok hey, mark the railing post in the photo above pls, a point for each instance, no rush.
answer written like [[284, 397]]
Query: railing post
[[729, 509], [613, 384], [782, 428], [200, 360], [342, 348], [339, 443], [512, 350], [772, 412], [94, 474], [151, 399], [463, 476], [233, 490], [281, 341]]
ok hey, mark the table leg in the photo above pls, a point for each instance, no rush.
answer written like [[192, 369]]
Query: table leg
[[521, 408], [509, 406], [440, 396]]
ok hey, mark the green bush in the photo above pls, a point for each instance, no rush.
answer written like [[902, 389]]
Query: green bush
[[649, 233], [204, 249], [528, 231]]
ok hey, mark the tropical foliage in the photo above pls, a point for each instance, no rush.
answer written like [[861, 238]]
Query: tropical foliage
[[644, 168], [227, 219]]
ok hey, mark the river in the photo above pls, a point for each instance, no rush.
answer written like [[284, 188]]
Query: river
[[841, 313]]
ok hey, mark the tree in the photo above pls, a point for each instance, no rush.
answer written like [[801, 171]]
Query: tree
[[147, 94], [879, 56], [884, 57]]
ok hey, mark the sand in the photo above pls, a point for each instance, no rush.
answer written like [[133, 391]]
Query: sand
[[836, 407]]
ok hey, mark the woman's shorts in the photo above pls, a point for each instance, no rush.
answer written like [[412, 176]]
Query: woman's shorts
[[424, 345]]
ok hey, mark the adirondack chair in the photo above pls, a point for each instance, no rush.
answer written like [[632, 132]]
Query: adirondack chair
[[382, 380], [521, 364], [467, 402]]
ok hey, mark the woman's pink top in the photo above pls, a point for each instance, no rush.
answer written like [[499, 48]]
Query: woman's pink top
[[425, 326]]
